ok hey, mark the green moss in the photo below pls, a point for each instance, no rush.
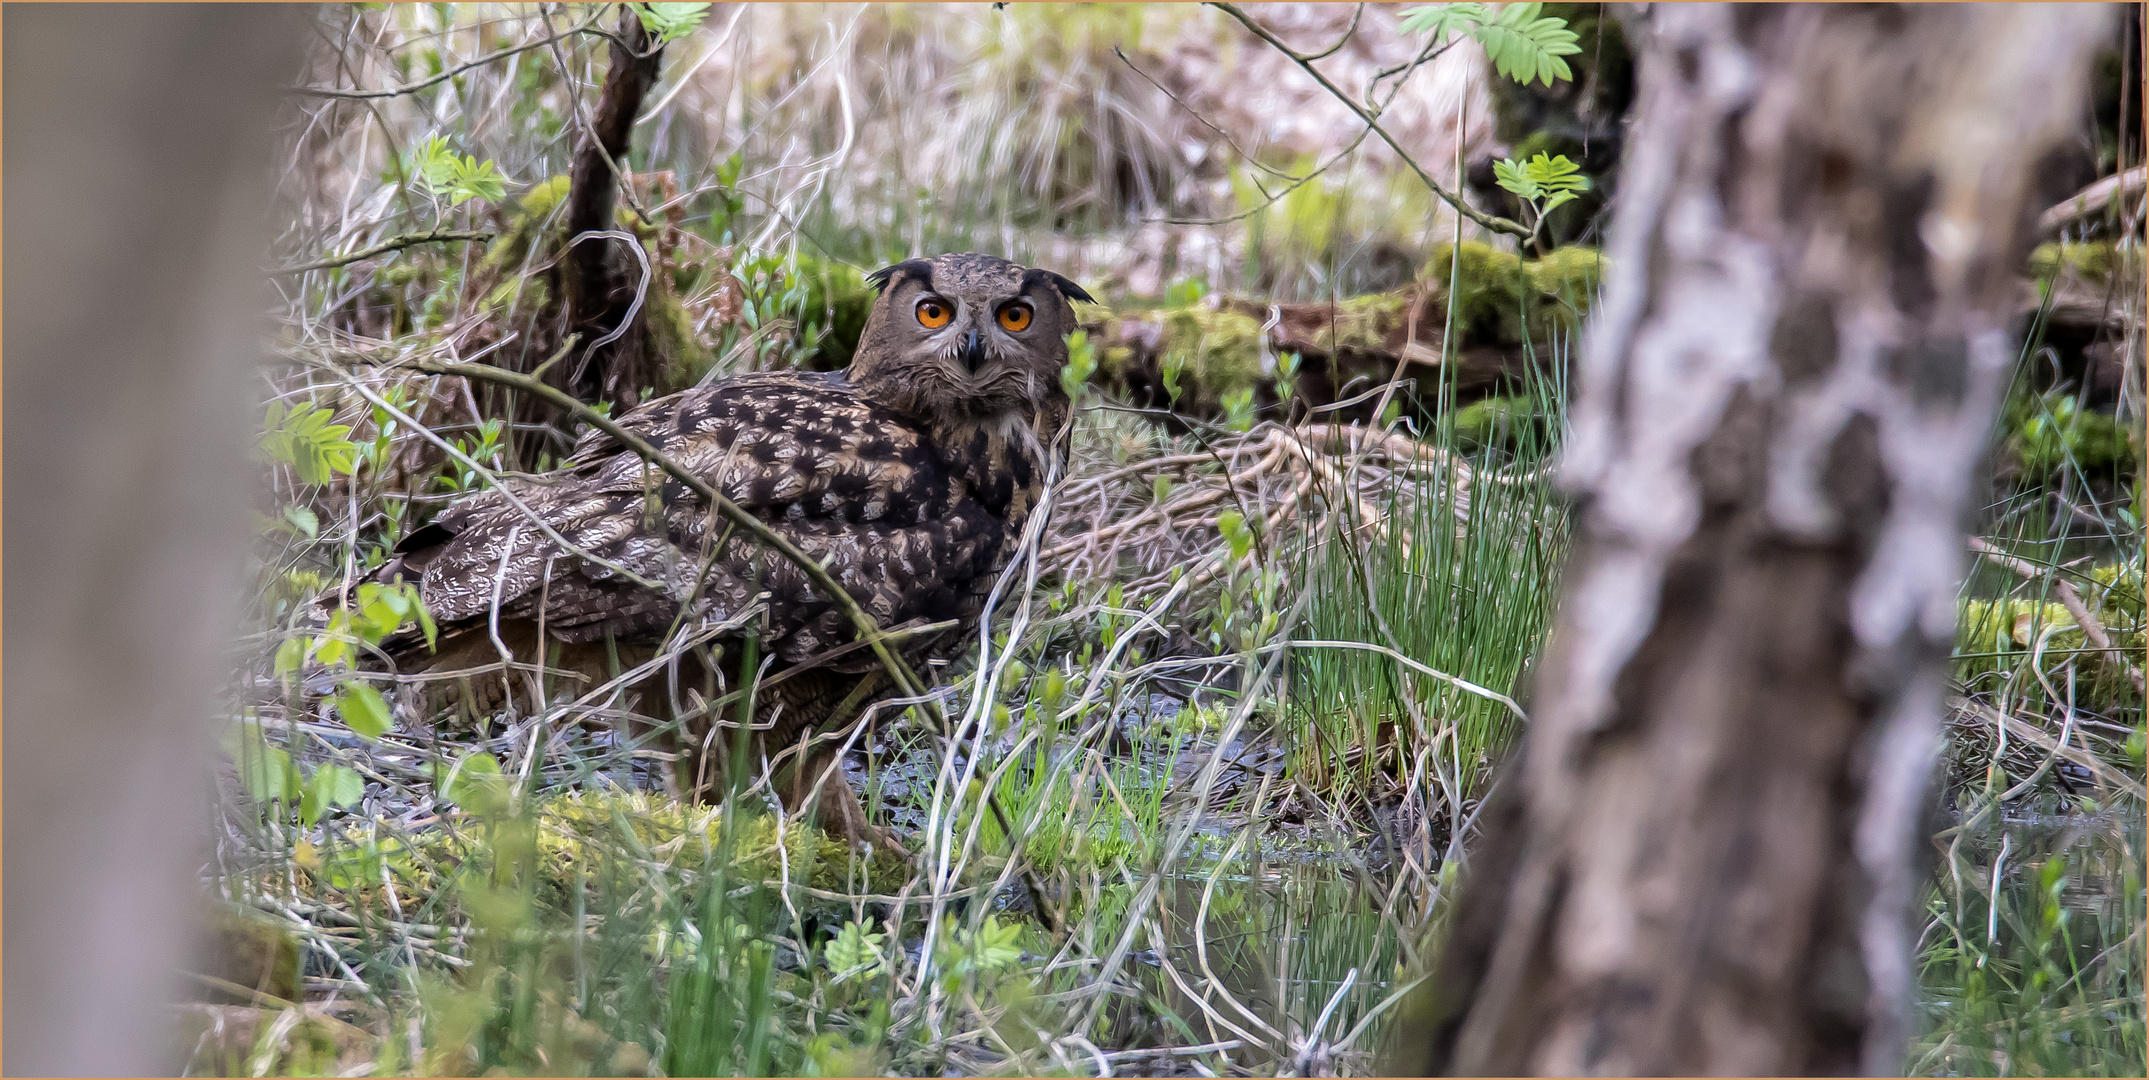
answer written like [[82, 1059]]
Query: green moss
[[2047, 433], [1999, 638], [1222, 349], [2089, 261], [1569, 274], [671, 336], [1363, 322], [690, 838], [544, 196], [1504, 299], [1497, 421], [527, 222], [2119, 587], [579, 830], [535, 214]]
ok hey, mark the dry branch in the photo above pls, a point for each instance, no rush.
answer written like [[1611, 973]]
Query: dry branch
[[384, 247], [1305, 62], [2065, 593], [412, 88], [2095, 199]]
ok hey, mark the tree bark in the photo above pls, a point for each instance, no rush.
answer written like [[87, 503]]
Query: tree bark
[[139, 155], [1705, 859], [602, 278]]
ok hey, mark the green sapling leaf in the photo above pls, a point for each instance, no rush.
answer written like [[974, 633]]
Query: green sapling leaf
[[363, 710]]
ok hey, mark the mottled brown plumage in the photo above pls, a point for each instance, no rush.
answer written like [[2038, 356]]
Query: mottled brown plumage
[[912, 474]]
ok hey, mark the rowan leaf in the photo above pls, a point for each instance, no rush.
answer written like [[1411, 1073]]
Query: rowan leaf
[[303, 438], [856, 952], [670, 22], [1520, 44]]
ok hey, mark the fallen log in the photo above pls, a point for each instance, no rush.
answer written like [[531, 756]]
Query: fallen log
[[1508, 316]]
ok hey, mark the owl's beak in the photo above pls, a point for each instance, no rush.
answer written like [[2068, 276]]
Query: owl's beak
[[973, 350]]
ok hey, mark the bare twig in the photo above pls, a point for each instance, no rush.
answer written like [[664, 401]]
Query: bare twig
[[586, 27], [1357, 14], [1484, 220], [438, 236], [2118, 187]]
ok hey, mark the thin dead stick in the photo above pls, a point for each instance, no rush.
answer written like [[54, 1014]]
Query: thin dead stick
[[588, 27], [449, 236], [1169, 461], [2072, 601], [2118, 187]]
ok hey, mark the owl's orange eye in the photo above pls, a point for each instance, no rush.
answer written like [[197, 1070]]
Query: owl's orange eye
[[933, 314], [1015, 317]]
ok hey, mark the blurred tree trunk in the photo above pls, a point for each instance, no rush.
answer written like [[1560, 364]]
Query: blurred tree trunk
[[603, 275], [1705, 860], [138, 149]]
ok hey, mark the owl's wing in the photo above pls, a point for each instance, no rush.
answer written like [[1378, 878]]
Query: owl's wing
[[852, 484]]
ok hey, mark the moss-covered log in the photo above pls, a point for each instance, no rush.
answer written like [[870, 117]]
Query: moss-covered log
[[1508, 314], [2085, 325]]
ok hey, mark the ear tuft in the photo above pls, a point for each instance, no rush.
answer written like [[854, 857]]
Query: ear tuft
[[1068, 289], [918, 268]]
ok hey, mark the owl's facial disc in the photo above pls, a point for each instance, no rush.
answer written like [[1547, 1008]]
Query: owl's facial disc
[[951, 336], [965, 335]]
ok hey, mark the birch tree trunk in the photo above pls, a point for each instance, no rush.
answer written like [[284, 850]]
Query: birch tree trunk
[[139, 143], [1704, 861]]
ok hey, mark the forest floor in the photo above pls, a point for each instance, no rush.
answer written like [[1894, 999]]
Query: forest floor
[[1241, 840], [1239, 705]]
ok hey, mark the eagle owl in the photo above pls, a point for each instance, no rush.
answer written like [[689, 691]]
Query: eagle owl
[[909, 475]]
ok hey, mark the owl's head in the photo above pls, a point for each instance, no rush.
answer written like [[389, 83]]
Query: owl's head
[[965, 336]]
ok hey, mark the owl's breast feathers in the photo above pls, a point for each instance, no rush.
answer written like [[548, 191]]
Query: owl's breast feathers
[[914, 522]]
